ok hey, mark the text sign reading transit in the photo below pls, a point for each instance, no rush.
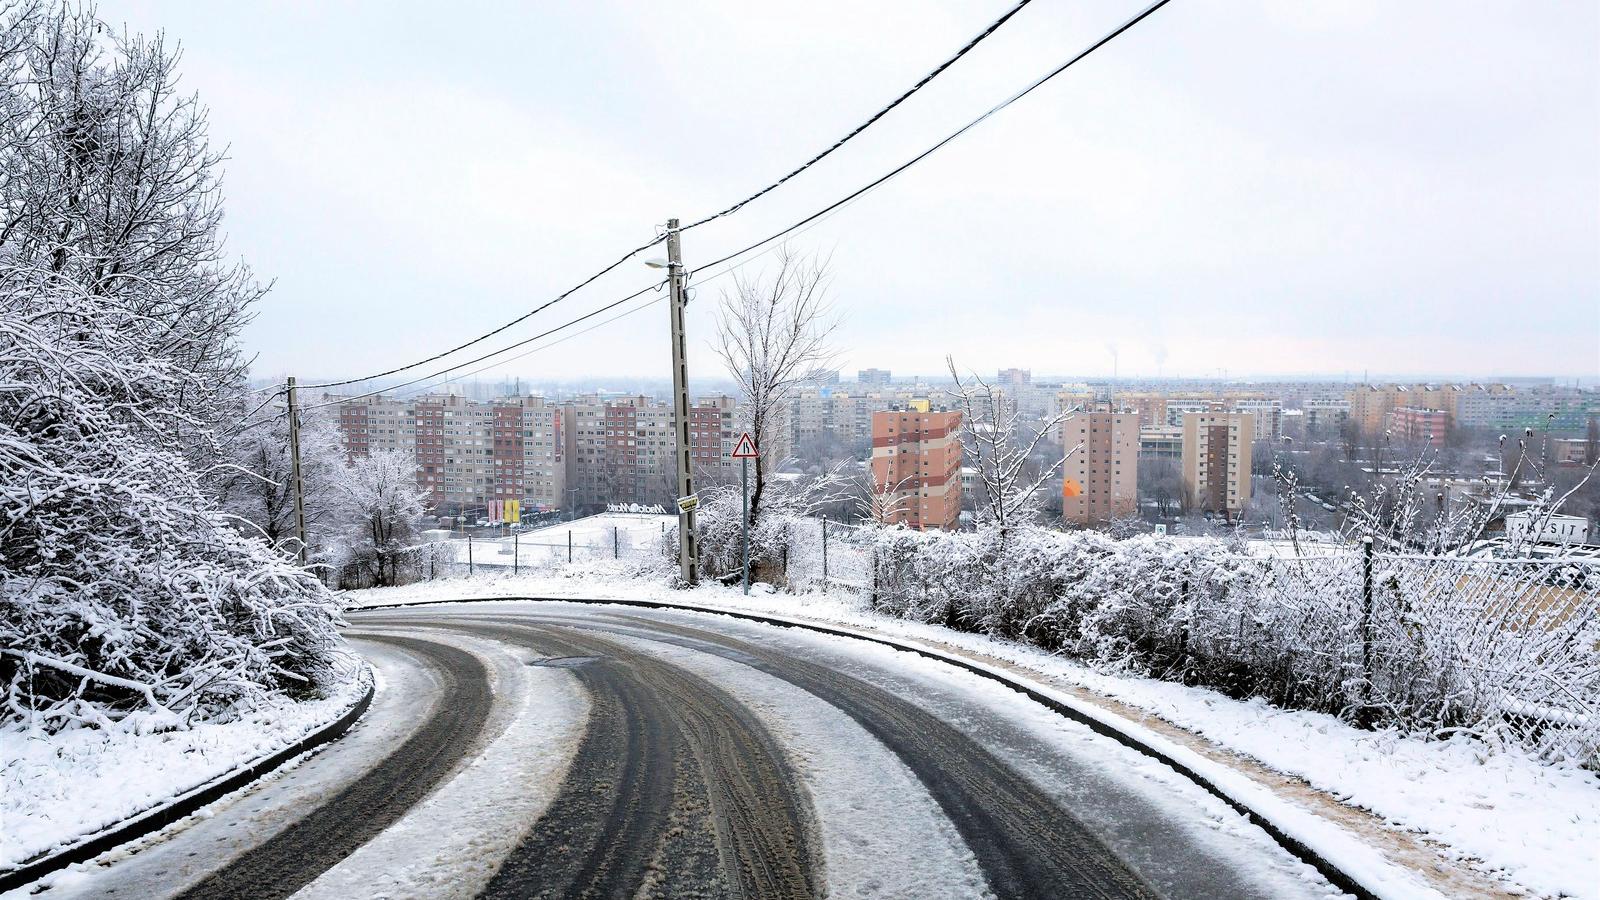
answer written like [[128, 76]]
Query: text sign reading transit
[[745, 448]]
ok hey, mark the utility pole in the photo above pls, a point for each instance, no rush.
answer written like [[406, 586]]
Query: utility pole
[[294, 471], [688, 555]]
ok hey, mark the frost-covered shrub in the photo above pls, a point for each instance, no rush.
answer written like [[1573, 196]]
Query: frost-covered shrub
[[122, 587], [718, 529], [1438, 644]]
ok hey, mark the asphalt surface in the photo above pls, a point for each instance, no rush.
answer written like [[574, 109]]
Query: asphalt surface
[[290, 859], [704, 758]]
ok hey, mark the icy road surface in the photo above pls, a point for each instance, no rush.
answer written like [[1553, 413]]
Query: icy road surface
[[561, 750]]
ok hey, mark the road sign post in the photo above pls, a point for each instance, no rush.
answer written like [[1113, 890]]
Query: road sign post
[[744, 451], [744, 520]]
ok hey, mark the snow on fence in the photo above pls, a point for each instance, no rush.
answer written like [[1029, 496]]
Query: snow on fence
[[604, 537], [1506, 648]]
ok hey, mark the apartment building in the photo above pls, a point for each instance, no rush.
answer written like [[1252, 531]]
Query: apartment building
[[1415, 426], [1017, 379], [1268, 414], [529, 453], [820, 414], [1370, 404], [1100, 477], [1506, 409], [1325, 416], [1176, 408], [873, 379], [1161, 442], [1216, 461], [468, 453], [623, 450], [543, 454], [916, 467], [1070, 403]]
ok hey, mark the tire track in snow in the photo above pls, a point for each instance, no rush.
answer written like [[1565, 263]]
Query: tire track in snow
[[677, 789], [1026, 844], [295, 856]]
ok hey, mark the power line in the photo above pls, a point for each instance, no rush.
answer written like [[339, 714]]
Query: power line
[[803, 223], [565, 325], [524, 355], [453, 378], [491, 333], [527, 353], [967, 47], [1110, 36], [923, 82]]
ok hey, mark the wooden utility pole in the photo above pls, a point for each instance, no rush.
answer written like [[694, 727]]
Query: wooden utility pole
[[294, 471], [688, 554]]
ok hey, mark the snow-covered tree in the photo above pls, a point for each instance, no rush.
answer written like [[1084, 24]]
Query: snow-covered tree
[[384, 508], [110, 181], [122, 588], [773, 331], [258, 485], [999, 446]]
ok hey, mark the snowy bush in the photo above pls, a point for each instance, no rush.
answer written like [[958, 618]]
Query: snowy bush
[[1503, 648], [122, 587], [718, 528]]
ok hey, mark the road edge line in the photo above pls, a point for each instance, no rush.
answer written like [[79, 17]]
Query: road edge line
[[158, 817]]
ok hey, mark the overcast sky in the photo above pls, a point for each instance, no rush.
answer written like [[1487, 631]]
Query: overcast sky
[[1262, 187]]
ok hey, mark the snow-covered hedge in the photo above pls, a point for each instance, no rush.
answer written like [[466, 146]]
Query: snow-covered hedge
[[1427, 644]]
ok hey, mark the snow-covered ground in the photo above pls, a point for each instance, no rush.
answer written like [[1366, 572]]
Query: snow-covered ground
[[56, 789], [598, 537], [1496, 809]]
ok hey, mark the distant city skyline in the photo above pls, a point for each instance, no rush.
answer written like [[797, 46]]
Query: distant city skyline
[[626, 382]]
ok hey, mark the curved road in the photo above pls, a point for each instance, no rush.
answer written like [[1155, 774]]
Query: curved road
[[567, 751]]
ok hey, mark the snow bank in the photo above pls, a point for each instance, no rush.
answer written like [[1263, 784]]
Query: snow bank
[[58, 788], [1496, 808]]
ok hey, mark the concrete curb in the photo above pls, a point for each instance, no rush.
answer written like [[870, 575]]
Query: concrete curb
[[159, 817], [1298, 848]]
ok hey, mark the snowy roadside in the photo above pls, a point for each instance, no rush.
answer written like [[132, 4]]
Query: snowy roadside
[[56, 790], [1496, 812]]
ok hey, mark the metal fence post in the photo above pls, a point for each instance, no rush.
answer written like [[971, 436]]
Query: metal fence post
[[1366, 627], [1188, 626], [516, 553], [824, 554], [469, 554], [616, 542], [569, 546], [872, 574]]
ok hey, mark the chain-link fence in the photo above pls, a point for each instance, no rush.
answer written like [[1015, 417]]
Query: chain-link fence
[[824, 554]]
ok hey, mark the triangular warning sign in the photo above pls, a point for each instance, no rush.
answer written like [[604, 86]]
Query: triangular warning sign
[[746, 448]]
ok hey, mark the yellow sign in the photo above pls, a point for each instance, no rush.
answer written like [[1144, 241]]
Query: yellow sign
[[513, 511], [920, 405]]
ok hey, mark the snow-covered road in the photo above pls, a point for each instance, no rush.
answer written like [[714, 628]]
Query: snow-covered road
[[560, 750]]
